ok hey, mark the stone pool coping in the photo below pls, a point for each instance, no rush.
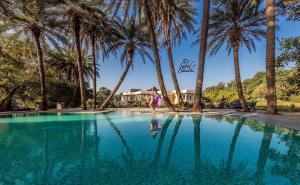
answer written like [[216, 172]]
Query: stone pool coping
[[289, 120]]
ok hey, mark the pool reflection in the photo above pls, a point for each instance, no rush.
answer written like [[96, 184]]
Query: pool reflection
[[73, 153]]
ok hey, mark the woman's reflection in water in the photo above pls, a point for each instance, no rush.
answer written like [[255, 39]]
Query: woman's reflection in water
[[155, 126]]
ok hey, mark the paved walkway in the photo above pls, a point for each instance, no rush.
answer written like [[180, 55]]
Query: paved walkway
[[289, 120]]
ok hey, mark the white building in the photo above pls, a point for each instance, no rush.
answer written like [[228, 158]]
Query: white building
[[143, 97]]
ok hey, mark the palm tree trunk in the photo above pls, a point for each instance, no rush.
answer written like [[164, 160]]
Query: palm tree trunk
[[238, 79], [172, 68], [74, 93], [156, 58], [37, 34], [270, 57], [94, 73], [76, 22], [197, 107], [129, 63], [6, 102]]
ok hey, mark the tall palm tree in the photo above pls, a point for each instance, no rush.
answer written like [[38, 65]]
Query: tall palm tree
[[97, 34], [175, 19], [133, 39], [270, 57], [69, 15], [238, 23], [197, 107], [147, 11], [30, 19]]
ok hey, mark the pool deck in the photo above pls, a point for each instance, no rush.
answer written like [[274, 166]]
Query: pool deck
[[286, 119]]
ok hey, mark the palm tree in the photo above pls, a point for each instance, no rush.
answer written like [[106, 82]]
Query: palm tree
[[174, 20], [153, 36], [197, 107], [133, 39], [147, 12], [96, 34], [30, 19], [65, 62], [237, 23], [270, 57], [69, 16]]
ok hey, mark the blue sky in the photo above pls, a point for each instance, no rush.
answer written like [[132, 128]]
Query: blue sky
[[218, 68]]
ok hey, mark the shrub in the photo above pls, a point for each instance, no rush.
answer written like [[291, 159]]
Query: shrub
[[295, 99], [209, 106]]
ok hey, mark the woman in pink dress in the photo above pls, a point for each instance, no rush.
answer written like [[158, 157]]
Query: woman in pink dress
[[155, 100]]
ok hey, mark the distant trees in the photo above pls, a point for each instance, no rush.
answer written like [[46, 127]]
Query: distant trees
[[255, 88]]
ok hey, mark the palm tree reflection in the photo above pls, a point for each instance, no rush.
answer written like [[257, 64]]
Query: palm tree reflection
[[197, 171], [233, 143], [223, 173], [120, 136], [96, 156], [161, 139], [44, 179], [170, 148], [263, 153]]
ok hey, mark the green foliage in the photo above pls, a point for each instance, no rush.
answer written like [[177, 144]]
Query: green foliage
[[289, 52], [290, 9], [287, 81], [236, 24]]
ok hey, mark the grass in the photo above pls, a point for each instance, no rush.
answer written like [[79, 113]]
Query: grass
[[281, 104]]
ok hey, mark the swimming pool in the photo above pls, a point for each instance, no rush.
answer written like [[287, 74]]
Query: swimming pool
[[136, 148]]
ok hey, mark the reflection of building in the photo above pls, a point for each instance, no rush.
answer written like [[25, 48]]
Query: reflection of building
[[143, 97]]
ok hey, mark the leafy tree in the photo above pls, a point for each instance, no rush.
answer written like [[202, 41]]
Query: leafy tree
[[30, 19], [289, 52], [65, 64]]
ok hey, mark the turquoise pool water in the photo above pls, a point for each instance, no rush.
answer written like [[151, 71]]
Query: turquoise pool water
[[134, 148]]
